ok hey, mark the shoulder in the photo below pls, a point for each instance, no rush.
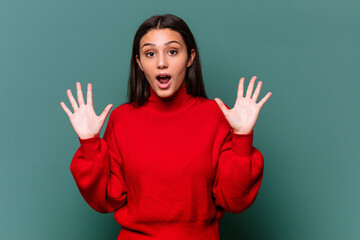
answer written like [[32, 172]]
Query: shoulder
[[121, 112], [211, 107], [215, 114]]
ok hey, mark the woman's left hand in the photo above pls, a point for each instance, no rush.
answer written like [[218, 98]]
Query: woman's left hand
[[242, 117]]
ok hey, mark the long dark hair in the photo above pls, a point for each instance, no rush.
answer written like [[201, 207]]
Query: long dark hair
[[138, 86]]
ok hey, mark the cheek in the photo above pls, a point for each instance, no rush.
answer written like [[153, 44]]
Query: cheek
[[181, 65], [147, 68]]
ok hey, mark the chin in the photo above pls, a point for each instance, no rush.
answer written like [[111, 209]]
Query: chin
[[165, 93]]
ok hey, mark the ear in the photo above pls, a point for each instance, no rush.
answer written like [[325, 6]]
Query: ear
[[139, 63], [191, 58]]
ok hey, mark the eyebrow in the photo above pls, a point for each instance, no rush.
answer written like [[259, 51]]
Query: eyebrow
[[151, 44]]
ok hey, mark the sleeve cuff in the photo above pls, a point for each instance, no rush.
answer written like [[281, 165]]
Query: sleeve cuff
[[242, 143], [90, 144]]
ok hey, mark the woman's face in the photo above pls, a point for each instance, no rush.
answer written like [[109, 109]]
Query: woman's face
[[163, 59]]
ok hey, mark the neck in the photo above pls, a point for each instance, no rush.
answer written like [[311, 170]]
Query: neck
[[177, 101]]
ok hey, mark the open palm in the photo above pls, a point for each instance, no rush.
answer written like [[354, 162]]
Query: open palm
[[84, 119], [243, 116]]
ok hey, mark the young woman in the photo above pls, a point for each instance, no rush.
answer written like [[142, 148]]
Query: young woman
[[171, 161]]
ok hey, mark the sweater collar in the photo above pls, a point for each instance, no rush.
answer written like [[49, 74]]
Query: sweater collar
[[177, 101]]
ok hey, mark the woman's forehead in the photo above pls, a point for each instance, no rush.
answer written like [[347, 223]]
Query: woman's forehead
[[159, 37]]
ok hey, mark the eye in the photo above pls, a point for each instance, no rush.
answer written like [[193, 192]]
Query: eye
[[173, 52], [150, 54]]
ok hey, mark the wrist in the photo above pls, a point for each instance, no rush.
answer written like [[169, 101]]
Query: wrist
[[242, 143], [241, 132], [88, 136]]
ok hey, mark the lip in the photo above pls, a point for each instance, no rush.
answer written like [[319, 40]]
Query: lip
[[163, 74], [163, 86]]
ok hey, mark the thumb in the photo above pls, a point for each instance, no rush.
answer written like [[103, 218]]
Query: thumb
[[106, 112], [222, 106]]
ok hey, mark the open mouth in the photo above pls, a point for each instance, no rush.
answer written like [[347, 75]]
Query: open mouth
[[163, 78]]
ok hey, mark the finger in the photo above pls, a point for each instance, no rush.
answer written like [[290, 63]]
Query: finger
[[105, 112], [68, 112], [72, 100], [241, 88], [250, 87], [79, 94], [257, 91], [262, 102], [89, 100], [222, 106]]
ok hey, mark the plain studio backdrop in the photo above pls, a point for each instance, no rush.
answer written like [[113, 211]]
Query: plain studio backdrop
[[306, 52]]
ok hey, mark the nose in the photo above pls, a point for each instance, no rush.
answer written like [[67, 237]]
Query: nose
[[162, 61]]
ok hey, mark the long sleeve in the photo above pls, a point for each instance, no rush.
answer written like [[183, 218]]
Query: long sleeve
[[239, 173], [98, 173]]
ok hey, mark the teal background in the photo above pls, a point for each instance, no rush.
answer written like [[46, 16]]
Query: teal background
[[305, 52]]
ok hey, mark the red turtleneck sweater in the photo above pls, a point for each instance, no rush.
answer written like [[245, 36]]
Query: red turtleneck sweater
[[169, 169]]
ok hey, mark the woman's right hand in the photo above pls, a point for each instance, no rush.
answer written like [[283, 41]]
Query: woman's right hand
[[84, 119]]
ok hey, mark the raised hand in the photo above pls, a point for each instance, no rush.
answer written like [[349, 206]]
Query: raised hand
[[242, 117], [84, 119]]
